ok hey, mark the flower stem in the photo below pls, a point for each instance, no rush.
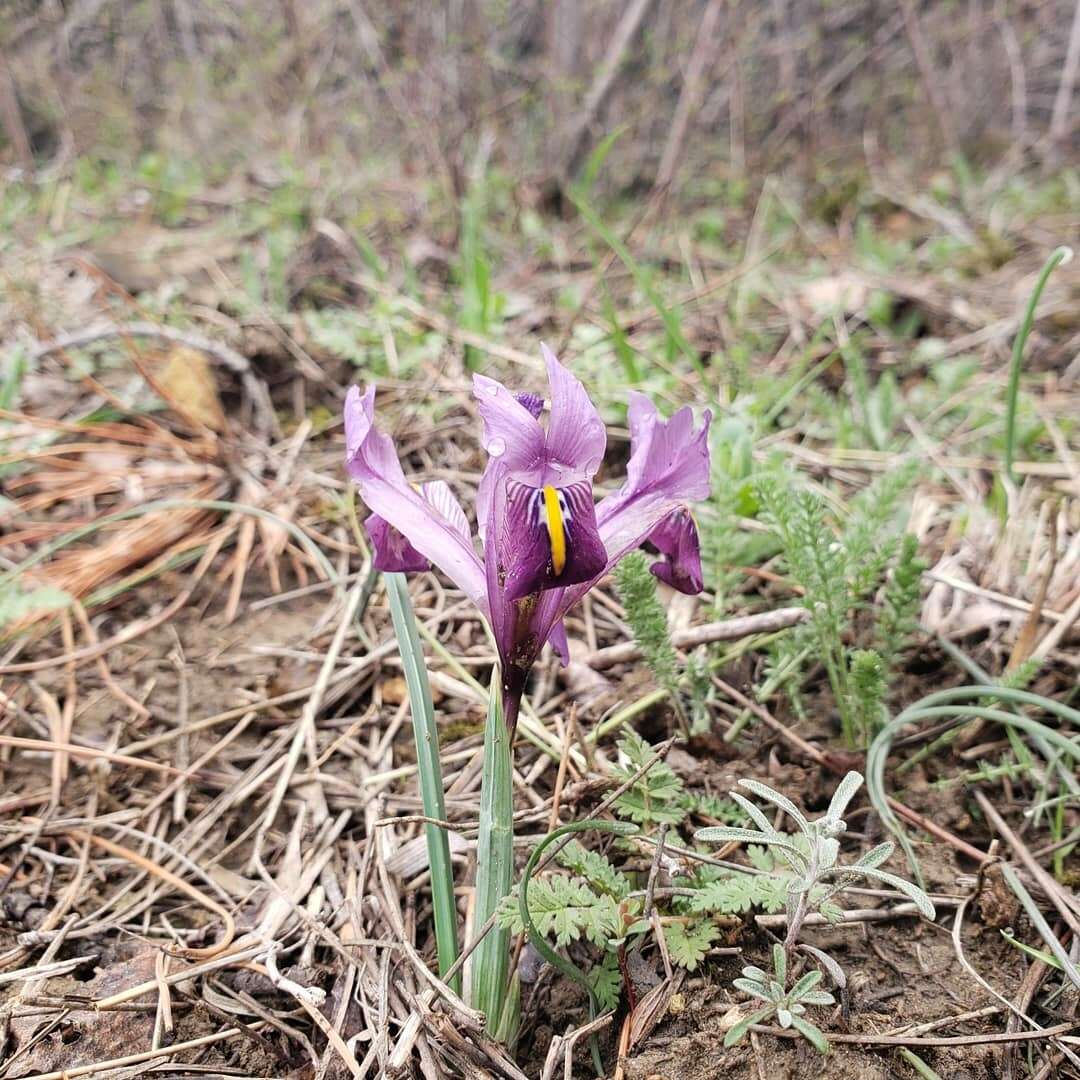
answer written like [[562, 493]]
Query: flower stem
[[494, 861]]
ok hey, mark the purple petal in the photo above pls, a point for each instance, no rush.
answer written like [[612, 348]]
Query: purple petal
[[439, 497], [393, 552], [558, 641], [676, 538], [512, 434], [534, 403], [432, 527], [549, 538], [668, 467], [576, 436]]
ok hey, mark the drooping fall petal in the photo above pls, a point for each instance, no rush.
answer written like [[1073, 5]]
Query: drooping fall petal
[[668, 467], [392, 550], [676, 539], [550, 539]]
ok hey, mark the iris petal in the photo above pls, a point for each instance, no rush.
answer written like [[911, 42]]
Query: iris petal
[[393, 552], [676, 538], [668, 467], [372, 462], [549, 538], [576, 436], [512, 434]]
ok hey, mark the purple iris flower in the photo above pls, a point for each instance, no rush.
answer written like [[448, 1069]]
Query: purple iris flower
[[545, 542]]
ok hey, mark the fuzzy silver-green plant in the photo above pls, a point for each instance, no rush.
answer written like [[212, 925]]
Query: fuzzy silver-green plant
[[813, 857]]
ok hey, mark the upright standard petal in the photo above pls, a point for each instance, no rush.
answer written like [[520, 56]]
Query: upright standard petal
[[512, 434], [676, 539], [513, 439], [433, 525], [576, 436]]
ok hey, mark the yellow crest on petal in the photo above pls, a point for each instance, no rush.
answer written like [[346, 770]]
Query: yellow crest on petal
[[556, 529]]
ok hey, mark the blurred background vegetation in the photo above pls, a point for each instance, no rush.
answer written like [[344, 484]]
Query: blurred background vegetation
[[699, 89]]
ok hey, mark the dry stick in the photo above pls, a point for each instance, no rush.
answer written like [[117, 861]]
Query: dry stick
[[575, 137], [1045, 880], [1025, 640], [689, 98], [115, 688], [945, 1021], [958, 948], [178, 883], [1062, 100], [850, 915], [728, 630], [1055, 634], [230, 358], [930, 826], [308, 1002], [92, 752], [833, 764], [305, 726], [808, 749], [931, 82], [1029, 987], [43, 970], [131, 631]]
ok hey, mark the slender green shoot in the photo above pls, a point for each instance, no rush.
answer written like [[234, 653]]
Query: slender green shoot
[[944, 704], [919, 1065], [429, 770], [494, 863], [672, 326], [1057, 257], [1031, 909]]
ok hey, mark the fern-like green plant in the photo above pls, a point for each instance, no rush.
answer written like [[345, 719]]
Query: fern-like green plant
[[898, 618], [566, 909], [839, 565], [655, 798], [869, 681], [688, 941], [636, 587]]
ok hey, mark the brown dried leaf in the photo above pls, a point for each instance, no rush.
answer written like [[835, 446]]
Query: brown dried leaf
[[186, 380]]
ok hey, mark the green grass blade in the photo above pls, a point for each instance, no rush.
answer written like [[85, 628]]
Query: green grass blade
[[940, 705], [1057, 256], [919, 1065], [672, 326], [494, 863], [429, 770], [1012, 879]]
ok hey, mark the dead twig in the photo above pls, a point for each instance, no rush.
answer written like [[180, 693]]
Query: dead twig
[[728, 630]]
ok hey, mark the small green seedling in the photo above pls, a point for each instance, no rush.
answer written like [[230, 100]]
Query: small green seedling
[[817, 875], [788, 1006]]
